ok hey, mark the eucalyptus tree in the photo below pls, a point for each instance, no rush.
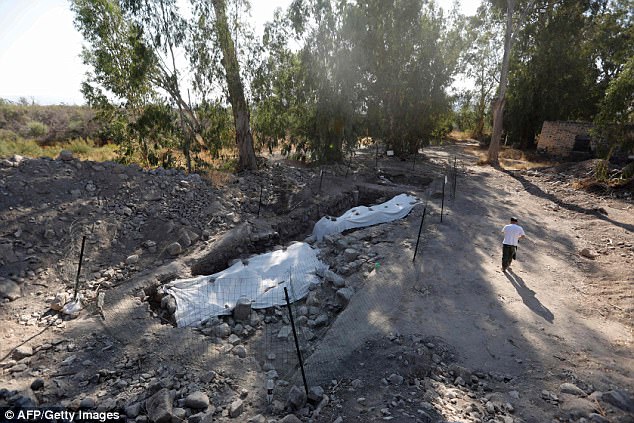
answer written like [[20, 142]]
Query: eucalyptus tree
[[120, 84], [481, 62], [614, 49], [405, 59], [516, 12], [615, 119], [550, 80], [280, 104], [374, 67], [131, 52], [133, 49], [215, 57], [165, 32]]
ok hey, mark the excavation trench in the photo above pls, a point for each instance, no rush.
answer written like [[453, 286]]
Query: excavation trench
[[256, 237], [264, 333], [259, 236]]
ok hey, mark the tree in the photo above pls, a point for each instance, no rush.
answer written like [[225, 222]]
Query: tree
[[481, 63], [549, 80], [278, 91], [122, 68], [498, 105], [617, 109], [405, 57], [132, 48], [239, 106], [377, 68]]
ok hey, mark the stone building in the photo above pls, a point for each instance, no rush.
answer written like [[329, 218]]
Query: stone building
[[565, 139]]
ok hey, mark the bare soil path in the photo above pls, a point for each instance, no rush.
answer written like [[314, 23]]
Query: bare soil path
[[539, 324]]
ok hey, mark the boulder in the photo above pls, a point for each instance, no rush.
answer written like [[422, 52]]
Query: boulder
[[59, 301], [197, 400], [159, 407], [65, 155], [174, 249], [344, 295], [37, 384], [296, 398], [22, 351], [350, 254], [9, 289], [573, 407], [335, 279], [315, 394], [572, 389], [236, 408], [168, 303], [619, 399], [223, 330], [242, 310]]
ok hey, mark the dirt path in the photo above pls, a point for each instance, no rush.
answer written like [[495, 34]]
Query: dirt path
[[533, 325]]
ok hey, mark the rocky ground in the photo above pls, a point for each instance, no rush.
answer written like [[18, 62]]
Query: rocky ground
[[449, 338]]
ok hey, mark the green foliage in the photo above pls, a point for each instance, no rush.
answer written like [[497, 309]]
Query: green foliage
[[80, 146], [480, 62], [49, 124], [126, 74], [615, 120], [217, 127], [28, 148], [550, 80], [85, 149], [372, 68], [601, 170], [36, 129], [8, 135]]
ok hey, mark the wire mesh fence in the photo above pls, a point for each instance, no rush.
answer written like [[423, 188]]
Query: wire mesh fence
[[270, 319]]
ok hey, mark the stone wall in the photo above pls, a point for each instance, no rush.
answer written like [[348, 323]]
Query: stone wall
[[558, 138]]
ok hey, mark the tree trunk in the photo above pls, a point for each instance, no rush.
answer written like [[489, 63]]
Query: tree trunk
[[498, 107], [244, 138]]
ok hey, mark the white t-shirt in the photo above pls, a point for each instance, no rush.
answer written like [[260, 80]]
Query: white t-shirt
[[512, 234]]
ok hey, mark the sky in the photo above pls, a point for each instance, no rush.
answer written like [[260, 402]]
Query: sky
[[40, 47]]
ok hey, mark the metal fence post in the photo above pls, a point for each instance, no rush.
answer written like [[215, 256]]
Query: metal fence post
[[442, 204], [299, 353], [260, 201], [419, 231], [81, 258]]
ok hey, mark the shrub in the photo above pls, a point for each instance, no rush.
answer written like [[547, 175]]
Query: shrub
[[37, 129], [8, 135], [80, 146]]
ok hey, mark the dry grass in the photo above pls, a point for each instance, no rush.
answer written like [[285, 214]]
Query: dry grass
[[510, 159], [219, 179], [459, 135]]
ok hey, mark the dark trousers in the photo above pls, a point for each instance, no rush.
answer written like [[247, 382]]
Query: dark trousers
[[508, 254]]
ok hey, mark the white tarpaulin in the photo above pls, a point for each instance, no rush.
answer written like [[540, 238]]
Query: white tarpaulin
[[262, 281], [361, 216]]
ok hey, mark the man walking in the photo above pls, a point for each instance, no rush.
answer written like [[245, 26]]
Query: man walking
[[512, 234]]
